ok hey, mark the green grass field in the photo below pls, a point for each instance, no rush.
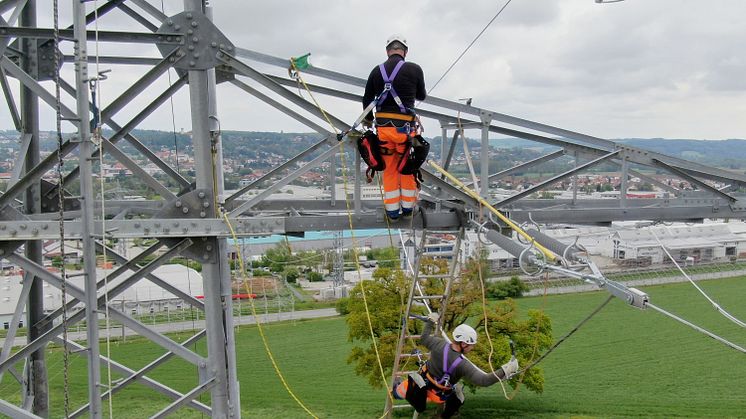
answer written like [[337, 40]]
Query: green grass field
[[623, 363]]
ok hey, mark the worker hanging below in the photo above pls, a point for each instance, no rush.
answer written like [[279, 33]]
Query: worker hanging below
[[437, 379], [395, 85]]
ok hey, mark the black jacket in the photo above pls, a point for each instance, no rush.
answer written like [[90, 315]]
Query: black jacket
[[409, 84]]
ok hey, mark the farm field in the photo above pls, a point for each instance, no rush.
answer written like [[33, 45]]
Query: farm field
[[623, 363]]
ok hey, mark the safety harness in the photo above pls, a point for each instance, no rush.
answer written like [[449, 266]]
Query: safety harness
[[388, 86], [442, 386]]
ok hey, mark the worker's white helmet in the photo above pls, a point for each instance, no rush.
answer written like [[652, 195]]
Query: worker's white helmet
[[397, 37], [465, 333]]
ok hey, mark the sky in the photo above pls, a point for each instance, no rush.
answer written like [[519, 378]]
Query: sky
[[637, 68]]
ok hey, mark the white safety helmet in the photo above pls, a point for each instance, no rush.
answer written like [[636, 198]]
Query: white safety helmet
[[397, 37], [465, 333]]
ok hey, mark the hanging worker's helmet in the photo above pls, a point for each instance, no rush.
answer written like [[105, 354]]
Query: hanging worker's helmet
[[397, 37], [465, 333]]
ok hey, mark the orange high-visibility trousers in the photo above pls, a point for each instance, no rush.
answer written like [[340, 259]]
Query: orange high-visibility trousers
[[400, 191]]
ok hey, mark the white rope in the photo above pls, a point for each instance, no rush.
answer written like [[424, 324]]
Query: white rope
[[717, 306]]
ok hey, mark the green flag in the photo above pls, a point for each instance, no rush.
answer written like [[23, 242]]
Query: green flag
[[301, 63]]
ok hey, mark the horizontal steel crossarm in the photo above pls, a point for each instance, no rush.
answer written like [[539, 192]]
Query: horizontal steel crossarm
[[287, 179], [309, 107], [524, 166], [101, 36], [10, 101], [285, 206], [550, 211], [157, 338], [112, 59], [14, 411], [133, 166], [186, 398], [435, 220], [130, 376], [215, 227], [691, 179], [131, 264], [554, 179]]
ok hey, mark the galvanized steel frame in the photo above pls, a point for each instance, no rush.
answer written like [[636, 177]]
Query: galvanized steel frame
[[259, 215]]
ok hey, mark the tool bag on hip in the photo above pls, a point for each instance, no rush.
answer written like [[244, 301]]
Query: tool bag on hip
[[414, 157], [369, 147]]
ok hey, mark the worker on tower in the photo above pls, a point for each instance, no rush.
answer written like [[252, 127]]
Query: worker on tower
[[395, 84], [436, 381]]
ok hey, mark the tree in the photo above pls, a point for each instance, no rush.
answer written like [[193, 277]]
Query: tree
[[386, 295]]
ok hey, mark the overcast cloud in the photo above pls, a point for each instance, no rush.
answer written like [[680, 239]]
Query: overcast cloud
[[639, 68]]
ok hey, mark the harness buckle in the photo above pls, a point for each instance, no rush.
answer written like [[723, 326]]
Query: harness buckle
[[387, 87]]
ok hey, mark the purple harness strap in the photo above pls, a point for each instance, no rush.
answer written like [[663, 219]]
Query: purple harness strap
[[389, 83], [448, 370]]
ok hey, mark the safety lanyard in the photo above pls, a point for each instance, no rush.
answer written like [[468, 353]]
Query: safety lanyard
[[388, 83], [448, 369]]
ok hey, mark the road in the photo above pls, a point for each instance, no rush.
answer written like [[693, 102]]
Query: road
[[116, 332]]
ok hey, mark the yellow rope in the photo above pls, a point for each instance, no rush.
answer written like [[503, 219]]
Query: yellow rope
[[352, 235], [259, 324], [546, 252]]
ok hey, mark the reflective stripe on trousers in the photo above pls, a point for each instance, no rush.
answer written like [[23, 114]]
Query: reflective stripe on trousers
[[400, 191]]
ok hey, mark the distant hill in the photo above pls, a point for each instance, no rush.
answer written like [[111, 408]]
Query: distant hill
[[729, 154]]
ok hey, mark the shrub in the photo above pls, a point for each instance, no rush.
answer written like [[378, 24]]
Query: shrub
[[342, 307], [314, 276], [513, 288]]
